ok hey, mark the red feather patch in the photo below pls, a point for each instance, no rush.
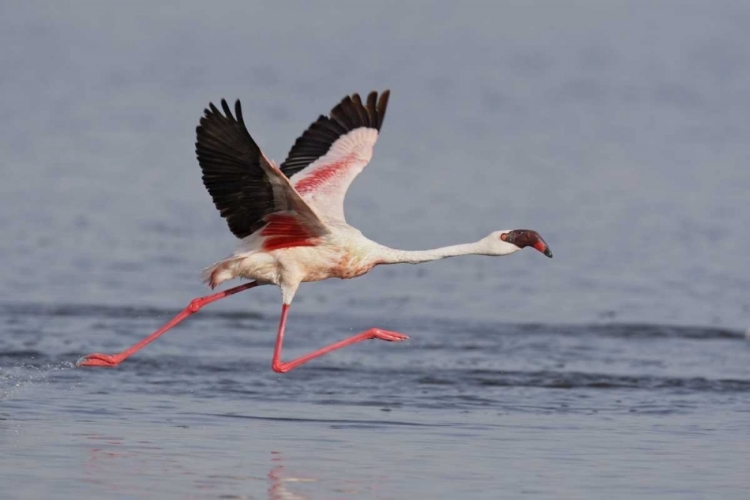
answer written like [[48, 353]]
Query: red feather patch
[[284, 231], [323, 174]]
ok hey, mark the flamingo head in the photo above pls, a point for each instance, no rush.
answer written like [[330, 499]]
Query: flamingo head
[[505, 242]]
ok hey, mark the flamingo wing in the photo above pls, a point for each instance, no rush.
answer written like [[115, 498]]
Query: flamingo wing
[[328, 156], [250, 191]]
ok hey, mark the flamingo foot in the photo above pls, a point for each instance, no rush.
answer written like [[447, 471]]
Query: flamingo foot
[[98, 359], [387, 335]]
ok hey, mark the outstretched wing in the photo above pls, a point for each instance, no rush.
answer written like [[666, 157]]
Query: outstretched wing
[[250, 192], [332, 151]]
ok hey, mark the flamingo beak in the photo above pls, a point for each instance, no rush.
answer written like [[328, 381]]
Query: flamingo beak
[[542, 247]]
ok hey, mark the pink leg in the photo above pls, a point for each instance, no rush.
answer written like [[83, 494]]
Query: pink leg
[[372, 333], [195, 305]]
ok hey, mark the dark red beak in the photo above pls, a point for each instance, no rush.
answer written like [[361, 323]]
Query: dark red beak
[[523, 238], [542, 247]]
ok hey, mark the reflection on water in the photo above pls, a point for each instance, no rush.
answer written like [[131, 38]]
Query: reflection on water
[[282, 480], [115, 466]]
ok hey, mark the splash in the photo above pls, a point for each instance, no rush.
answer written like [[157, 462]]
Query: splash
[[20, 378]]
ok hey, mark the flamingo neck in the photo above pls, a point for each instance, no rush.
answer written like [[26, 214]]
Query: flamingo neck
[[394, 256]]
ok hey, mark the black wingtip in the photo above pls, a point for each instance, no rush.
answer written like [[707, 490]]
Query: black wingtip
[[232, 171], [213, 110], [372, 108], [238, 111], [364, 116], [225, 107], [382, 105], [349, 114]]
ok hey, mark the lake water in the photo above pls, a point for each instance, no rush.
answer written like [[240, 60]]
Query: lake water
[[618, 369]]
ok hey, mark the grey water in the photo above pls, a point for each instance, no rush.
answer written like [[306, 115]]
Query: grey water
[[618, 369]]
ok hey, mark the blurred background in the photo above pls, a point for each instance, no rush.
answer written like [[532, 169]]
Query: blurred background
[[619, 369], [618, 130]]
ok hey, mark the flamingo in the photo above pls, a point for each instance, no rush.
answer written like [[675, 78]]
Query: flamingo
[[290, 218]]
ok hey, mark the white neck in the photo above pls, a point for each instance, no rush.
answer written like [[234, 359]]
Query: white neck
[[481, 247]]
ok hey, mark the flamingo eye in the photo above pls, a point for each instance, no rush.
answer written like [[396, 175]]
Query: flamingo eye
[[504, 236]]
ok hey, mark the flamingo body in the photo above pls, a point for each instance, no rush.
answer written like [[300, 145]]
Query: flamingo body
[[343, 253]]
